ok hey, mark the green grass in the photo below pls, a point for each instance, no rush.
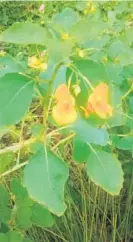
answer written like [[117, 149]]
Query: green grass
[[92, 215]]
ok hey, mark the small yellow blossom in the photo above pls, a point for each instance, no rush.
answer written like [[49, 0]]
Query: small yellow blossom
[[92, 9], [105, 59], [37, 63], [65, 36], [81, 53], [2, 53]]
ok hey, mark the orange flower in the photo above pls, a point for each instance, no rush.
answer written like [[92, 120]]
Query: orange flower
[[64, 111], [98, 101], [62, 93]]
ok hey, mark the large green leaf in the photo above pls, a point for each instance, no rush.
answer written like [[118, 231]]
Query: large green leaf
[[125, 143], [14, 236], [60, 77], [10, 65], [95, 72], [5, 211], [23, 217], [45, 177], [21, 195], [3, 238], [65, 19], [41, 216], [15, 97], [104, 169], [59, 50], [80, 151], [118, 117], [86, 30], [25, 33], [89, 134]]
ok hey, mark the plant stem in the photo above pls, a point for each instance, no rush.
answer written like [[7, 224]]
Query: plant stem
[[18, 146], [15, 168]]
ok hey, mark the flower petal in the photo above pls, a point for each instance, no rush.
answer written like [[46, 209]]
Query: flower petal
[[62, 93], [64, 113]]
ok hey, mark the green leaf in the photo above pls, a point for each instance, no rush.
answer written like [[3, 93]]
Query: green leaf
[[125, 143], [3, 227], [65, 19], [113, 71], [95, 72], [131, 103], [15, 98], [116, 49], [3, 238], [21, 195], [81, 151], [60, 77], [27, 240], [25, 33], [14, 236], [129, 34], [118, 118], [104, 169], [10, 65], [5, 161], [87, 30], [89, 134], [23, 217], [41, 216], [45, 177], [5, 211], [59, 50]]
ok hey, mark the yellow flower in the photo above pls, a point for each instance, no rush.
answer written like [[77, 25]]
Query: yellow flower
[[98, 101], [65, 36], [64, 111], [92, 9], [2, 53], [36, 63]]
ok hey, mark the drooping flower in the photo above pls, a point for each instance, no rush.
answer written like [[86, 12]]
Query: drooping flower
[[98, 101], [64, 111], [62, 94], [37, 63]]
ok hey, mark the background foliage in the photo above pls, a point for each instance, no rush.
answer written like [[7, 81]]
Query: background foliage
[[84, 41]]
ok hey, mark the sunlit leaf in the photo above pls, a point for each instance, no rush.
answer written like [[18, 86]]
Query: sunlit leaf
[[89, 134], [81, 151], [25, 33], [16, 95], [41, 216], [104, 169], [45, 177]]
